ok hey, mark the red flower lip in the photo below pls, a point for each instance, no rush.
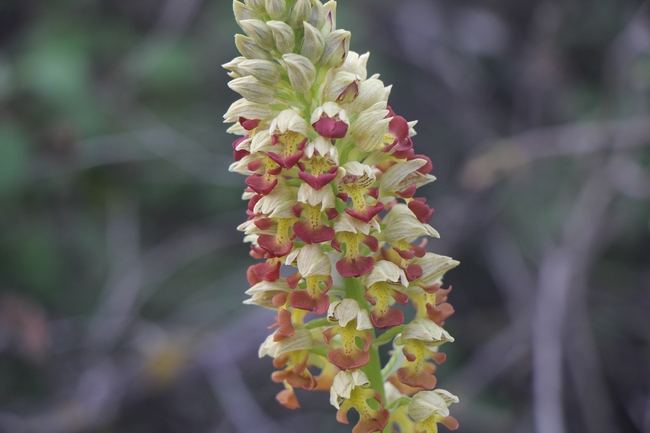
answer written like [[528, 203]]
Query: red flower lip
[[313, 235], [261, 184], [273, 247], [317, 182], [421, 210], [369, 213], [330, 128], [249, 124], [267, 271], [286, 161]]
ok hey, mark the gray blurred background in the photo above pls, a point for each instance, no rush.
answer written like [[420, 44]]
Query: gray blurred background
[[122, 274]]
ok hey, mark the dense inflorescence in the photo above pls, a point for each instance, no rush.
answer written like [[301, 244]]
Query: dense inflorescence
[[331, 179]]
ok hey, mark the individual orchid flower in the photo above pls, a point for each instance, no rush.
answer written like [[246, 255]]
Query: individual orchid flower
[[330, 120], [349, 391], [352, 322], [316, 203], [356, 182], [428, 408], [315, 267], [289, 130], [334, 221], [382, 284], [290, 353], [420, 339]]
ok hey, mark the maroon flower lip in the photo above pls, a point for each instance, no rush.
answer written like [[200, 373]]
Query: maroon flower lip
[[249, 124], [353, 264], [317, 182], [330, 128], [348, 358], [274, 247]]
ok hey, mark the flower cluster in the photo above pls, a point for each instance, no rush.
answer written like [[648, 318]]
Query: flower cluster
[[332, 217]]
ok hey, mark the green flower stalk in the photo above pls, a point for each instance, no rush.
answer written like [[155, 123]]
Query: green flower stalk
[[331, 179]]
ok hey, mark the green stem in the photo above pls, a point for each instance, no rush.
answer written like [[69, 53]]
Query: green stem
[[354, 289]]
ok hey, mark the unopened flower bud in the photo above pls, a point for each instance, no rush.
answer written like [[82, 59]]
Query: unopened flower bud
[[370, 128], [257, 5], [402, 175], [371, 91], [264, 70], [301, 340], [313, 43], [263, 292], [337, 45], [277, 9], [425, 331], [283, 35], [246, 109], [401, 224], [243, 12], [356, 64], [434, 266], [252, 89], [233, 67], [287, 121], [249, 49], [260, 32], [344, 88], [329, 25], [300, 12], [301, 71], [427, 404], [317, 16]]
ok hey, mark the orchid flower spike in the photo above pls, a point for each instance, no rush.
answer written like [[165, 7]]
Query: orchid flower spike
[[331, 178]]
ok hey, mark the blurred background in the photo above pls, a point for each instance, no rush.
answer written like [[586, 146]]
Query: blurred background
[[122, 275]]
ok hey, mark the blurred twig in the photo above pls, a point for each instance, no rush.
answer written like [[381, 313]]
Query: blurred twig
[[559, 268], [154, 267], [506, 155]]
